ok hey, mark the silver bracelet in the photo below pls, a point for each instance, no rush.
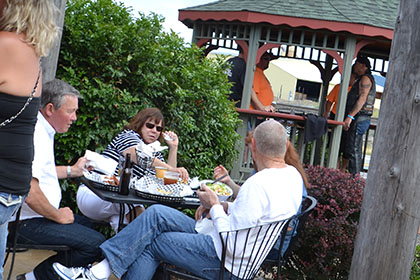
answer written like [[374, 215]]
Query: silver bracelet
[[68, 171]]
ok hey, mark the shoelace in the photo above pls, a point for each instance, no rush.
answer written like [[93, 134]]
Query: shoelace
[[86, 273]]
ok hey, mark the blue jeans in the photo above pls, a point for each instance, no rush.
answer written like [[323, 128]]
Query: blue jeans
[[353, 150], [161, 234], [293, 225], [79, 235], [6, 212]]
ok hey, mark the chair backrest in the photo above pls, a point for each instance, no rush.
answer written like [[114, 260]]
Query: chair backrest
[[243, 251], [308, 204]]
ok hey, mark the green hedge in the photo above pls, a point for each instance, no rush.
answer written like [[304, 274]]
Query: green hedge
[[122, 64]]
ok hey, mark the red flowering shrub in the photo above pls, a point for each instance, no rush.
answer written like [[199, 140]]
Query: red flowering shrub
[[325, 247]]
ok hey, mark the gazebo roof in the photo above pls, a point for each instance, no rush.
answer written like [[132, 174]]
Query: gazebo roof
[[359, 17]]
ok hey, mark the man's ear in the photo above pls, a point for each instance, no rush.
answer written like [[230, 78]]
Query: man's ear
[[253, 145], [49, 109]]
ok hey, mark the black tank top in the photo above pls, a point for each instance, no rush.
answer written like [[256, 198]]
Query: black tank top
[[16, 143], [353, 95]]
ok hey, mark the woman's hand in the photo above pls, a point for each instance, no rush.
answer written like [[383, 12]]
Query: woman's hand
[[183, 173], [220, 171], [171, 139]]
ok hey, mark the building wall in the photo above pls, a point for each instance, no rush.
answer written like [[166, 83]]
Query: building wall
[[282, 82]]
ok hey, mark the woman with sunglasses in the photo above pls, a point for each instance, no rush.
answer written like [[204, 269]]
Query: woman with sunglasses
[[147, 127]]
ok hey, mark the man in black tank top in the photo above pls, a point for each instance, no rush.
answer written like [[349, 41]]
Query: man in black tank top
[[359, 109]]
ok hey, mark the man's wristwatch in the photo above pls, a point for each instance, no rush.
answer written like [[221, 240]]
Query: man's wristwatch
[[68, 171]]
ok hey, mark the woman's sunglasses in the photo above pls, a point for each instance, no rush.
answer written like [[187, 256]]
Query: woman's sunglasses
[[151, 126]]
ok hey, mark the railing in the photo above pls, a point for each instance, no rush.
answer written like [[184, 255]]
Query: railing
[[368, 146], [314, 153]]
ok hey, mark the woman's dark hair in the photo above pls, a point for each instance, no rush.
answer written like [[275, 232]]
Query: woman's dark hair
[[137, 122]]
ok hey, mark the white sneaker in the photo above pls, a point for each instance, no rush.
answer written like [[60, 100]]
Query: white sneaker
[[73, 273]]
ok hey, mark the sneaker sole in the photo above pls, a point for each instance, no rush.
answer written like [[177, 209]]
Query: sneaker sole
[[61, 274]]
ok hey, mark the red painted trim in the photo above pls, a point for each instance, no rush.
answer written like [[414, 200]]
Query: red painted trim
[[202, 42], [281, 116], [263, 49], [337, 57], [244, 46], [340, 61], [360, 45], [255, 17]]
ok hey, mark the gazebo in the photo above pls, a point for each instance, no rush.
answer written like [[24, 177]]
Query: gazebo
[[341, 29]]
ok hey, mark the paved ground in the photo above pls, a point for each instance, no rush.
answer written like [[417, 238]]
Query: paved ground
[[26, 261]]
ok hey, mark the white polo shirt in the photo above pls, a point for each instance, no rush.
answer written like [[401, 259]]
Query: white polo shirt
[[43, 166], [270, 195]]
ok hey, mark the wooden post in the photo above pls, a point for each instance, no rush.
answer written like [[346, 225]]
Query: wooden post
[[341, 102], [246, 98], [389, 220], [49, 63]]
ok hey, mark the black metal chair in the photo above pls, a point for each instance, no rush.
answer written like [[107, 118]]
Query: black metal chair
[[269, 233], [292, 234], [13, 246], [247, 247]]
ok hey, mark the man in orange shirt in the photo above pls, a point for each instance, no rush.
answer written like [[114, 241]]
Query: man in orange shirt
[[262, 95], [332, 98]]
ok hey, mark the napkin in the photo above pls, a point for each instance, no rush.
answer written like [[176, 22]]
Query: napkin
[[146, 153], [195, 183], [100, 163], [204, 226]]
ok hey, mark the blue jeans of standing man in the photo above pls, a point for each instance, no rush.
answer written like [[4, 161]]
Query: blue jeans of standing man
[[9, 205], [353, 150], [161, 234], [79, 235]]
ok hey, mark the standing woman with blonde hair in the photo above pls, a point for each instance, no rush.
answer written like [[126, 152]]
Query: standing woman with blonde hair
[[27, 32]]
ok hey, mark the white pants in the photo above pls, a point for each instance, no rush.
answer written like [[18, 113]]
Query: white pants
[[95, 208]]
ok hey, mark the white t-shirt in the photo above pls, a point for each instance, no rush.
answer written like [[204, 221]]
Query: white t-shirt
[[43, 166], [270, 195]]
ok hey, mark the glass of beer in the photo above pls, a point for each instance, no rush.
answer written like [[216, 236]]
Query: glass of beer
[[160, 171]]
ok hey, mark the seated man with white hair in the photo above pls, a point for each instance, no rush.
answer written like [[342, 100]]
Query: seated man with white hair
[[161, 233]]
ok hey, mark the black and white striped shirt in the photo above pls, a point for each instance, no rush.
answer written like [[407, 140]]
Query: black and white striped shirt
[[127, 139]]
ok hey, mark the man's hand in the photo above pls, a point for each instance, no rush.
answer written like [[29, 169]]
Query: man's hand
[[201, 211], [39, 203], [64, 216], [78, 168], [208, 198], [347, 123], [268, 109]]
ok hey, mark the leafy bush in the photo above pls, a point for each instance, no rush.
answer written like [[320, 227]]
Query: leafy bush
[[122, 64], [415, 269], [325, 247]]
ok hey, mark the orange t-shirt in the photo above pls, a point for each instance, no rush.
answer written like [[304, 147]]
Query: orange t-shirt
[[262, 88], [333, 97]]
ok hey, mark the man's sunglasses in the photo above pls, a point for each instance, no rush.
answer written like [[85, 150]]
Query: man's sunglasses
[[151, 126]]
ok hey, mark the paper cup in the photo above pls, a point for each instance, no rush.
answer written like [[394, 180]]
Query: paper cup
[[170, 177]]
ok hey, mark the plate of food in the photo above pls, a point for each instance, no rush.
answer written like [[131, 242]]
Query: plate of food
[[100, 181], [153, 188], [222, 190]]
